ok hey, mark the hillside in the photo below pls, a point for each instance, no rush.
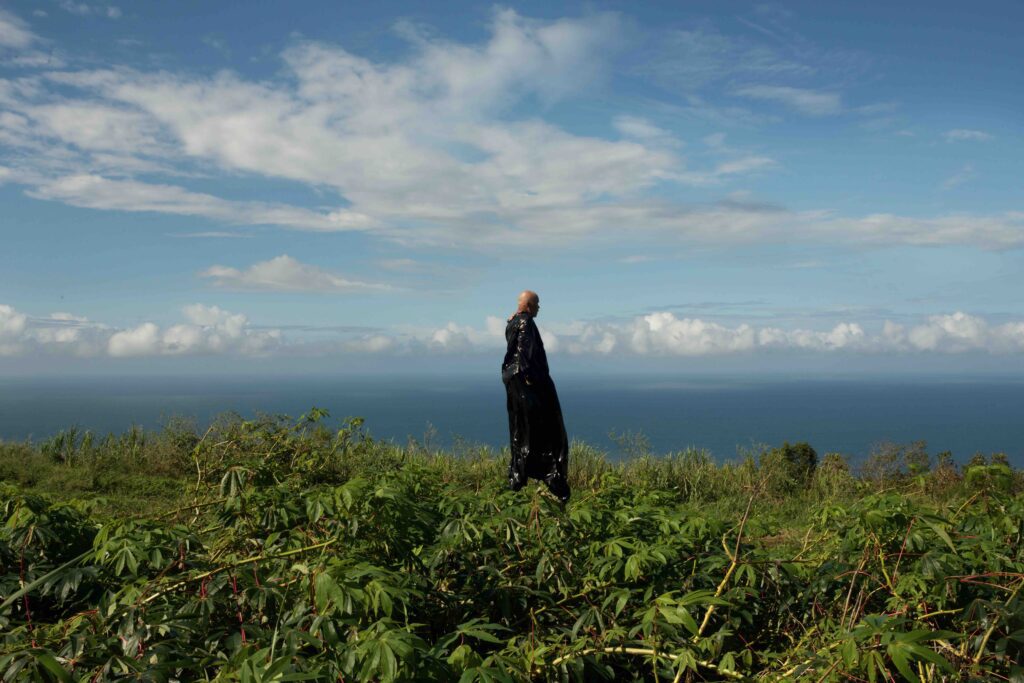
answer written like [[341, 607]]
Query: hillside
[[276, 550]]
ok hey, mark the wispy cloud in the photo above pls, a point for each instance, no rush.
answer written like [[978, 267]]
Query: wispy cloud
[[965, 134], [431, 149], [639, 128], [960, 177], [84, 9], [693, 59], [803, 100], [97, 192], [14, 33], [421, 151], [211, 234], [286, 274]]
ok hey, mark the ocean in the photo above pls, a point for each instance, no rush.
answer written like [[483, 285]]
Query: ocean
[[726, 415]]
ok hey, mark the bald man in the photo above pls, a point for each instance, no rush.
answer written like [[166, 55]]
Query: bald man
[[540, 448]]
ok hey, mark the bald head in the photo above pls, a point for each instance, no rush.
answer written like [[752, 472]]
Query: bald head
[[529, 302]]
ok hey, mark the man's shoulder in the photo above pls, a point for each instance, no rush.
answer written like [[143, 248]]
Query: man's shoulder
[[521, 319]]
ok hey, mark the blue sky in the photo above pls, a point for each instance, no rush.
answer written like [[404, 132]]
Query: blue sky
[[787, 186]]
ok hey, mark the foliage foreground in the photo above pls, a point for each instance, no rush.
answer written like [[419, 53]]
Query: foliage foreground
[[269, 550]]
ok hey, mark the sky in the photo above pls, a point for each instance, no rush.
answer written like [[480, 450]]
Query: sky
[[701, 186]]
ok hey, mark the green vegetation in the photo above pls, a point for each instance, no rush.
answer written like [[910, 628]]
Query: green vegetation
[[272, 550]]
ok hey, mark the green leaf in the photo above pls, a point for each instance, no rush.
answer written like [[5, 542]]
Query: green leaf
[[51, 665], [899, 658], [939, 531]]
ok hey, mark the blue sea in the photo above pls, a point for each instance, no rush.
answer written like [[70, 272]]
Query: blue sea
[[725, 415]]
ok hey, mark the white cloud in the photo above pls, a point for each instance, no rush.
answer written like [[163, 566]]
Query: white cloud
[[98, 127], [206, 330], [714, 140], [691, 59], [962, 134], [143, 340], [209, 234], [12, 328], [805, 101], [97, 192], [998, 231], [421, 150], [960, 177], [959, 332], [84, 9], [663, 334], [433, 149], [210, 330], [284, 273], [743, 165], [14, 33], [639, 128]]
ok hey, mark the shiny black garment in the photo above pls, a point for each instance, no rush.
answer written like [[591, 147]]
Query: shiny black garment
[[540, 448]]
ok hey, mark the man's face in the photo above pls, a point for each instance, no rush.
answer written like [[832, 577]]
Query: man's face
[[534, 307]]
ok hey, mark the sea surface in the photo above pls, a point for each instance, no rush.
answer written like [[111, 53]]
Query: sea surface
[[727, 416]]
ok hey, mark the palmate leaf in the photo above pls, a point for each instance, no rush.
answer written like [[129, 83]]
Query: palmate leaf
[[465, 608], [31, 586], [899, 658], [902, 652], [47, 661], [477, 628], [486, 674], [935, 523]]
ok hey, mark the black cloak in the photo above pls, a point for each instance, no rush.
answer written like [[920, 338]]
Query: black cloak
[[540, 448]]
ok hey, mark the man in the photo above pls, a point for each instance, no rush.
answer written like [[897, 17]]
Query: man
[[539, 446]]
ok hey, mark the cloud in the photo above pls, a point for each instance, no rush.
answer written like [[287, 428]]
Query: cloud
[[205, 330], [143, 340], [97, 192], [12, 328], [285, 274], [84, 9], [805, 101], [209, 234], [458, 338], [692, 59], [714, 140], [445, 147], [743, 165], [662, 333], [956, 333], [432, 149], [210, 330], [962, 176], [639, 128], [964, 134], [14, 33]]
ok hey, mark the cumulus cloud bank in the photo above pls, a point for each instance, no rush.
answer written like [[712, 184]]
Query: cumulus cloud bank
[[206, 330], [663, 334], [212, 330]]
